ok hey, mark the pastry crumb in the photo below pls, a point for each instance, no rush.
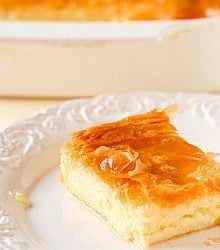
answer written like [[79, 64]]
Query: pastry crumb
[[212, 241], [20, 198]]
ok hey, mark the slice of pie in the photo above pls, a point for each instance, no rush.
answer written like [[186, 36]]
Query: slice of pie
[[143, 178]]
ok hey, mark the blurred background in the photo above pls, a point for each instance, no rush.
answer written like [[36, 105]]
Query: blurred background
[[55, 50]]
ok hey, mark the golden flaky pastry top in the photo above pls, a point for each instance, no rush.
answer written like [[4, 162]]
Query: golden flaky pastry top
[[144, 158], [107, 9]]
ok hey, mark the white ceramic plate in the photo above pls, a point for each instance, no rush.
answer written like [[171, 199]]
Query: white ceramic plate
[[30, 148]]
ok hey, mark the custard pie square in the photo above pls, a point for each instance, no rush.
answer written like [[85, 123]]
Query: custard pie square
[[143, 178]]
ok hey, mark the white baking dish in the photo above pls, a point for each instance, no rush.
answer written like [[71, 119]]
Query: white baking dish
[[67, 59], [95, 30]]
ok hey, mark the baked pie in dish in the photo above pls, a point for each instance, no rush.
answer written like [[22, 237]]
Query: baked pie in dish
[[143, 178], [107, 9]]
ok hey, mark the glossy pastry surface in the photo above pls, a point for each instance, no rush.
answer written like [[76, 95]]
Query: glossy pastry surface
[[147, 160]]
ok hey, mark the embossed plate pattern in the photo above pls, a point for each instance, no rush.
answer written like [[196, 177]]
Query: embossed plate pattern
[[28, 149]]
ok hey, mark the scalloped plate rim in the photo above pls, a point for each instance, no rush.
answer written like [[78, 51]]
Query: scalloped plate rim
[[43, 115]]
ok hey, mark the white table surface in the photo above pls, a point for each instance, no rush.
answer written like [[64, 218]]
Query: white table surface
[[12, 110]]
